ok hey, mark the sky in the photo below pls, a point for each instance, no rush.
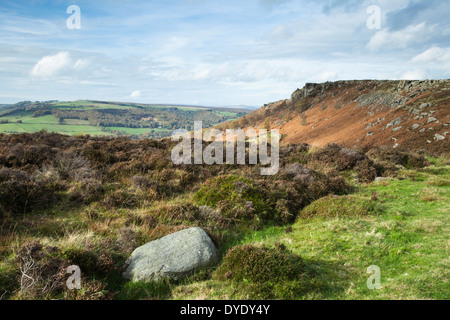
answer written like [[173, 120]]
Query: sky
[[214, 52]]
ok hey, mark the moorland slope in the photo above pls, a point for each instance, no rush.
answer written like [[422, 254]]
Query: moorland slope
[[410, 115]]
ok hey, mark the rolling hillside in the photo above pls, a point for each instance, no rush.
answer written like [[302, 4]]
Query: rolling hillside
[[409, 115], [100, 118]]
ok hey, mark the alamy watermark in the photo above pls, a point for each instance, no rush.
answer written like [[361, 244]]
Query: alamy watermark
[[213, 153], [74, 281], [374, 20], [74, 21], [374, 281]]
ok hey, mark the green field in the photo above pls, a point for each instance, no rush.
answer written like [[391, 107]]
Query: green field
[[49, 123], [89, 117]]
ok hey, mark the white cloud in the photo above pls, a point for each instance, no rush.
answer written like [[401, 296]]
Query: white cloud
[[50, 66], [135, 94], [279, 33], [221, 53], [326, 76], [80, 64], [233, 70], [413, 75], [60, 66], [384, 39], [434, 54], [175, 43]]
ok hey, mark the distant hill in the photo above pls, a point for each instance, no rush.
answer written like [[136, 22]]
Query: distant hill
[[361, 114], [99, 118], [4, 107]]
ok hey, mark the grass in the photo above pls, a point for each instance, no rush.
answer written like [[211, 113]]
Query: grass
[[29, 124], [408, 240], [63, 129], [340, 206], [400, 225], [49, 123], [141, 290]]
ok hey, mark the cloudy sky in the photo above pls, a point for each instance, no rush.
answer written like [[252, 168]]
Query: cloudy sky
[[213, 52]]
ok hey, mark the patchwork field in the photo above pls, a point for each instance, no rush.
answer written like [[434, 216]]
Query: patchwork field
[[99, 118]]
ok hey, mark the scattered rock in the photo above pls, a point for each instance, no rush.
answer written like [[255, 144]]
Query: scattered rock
[[394, 122], [396, 129], [438, 137], [175, 256], [425, 105], [415, 126], [370, 125], [431, 119]]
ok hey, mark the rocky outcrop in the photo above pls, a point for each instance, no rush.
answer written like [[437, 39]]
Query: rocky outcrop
[[175, 256], [404, 114]]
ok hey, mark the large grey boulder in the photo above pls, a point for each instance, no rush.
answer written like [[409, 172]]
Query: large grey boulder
[[175, 256]]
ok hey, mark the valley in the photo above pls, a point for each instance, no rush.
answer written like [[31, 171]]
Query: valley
[[100, 118]]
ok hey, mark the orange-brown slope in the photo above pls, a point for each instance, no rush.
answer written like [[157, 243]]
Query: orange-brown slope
[[361, 114]]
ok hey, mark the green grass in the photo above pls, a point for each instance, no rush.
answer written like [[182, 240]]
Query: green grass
[[408, 240], [49, 123], [340, 206], [63, 129], [400, 225], [76, 122], [141, 290], [29, 124], [27, 118]]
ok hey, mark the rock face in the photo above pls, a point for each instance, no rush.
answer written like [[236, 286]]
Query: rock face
[[175, 256], [371, 114]]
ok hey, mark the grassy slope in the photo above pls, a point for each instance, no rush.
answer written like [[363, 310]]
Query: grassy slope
[[408, 240]]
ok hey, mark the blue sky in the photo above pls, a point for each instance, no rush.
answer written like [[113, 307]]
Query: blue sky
[[217, 53]]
